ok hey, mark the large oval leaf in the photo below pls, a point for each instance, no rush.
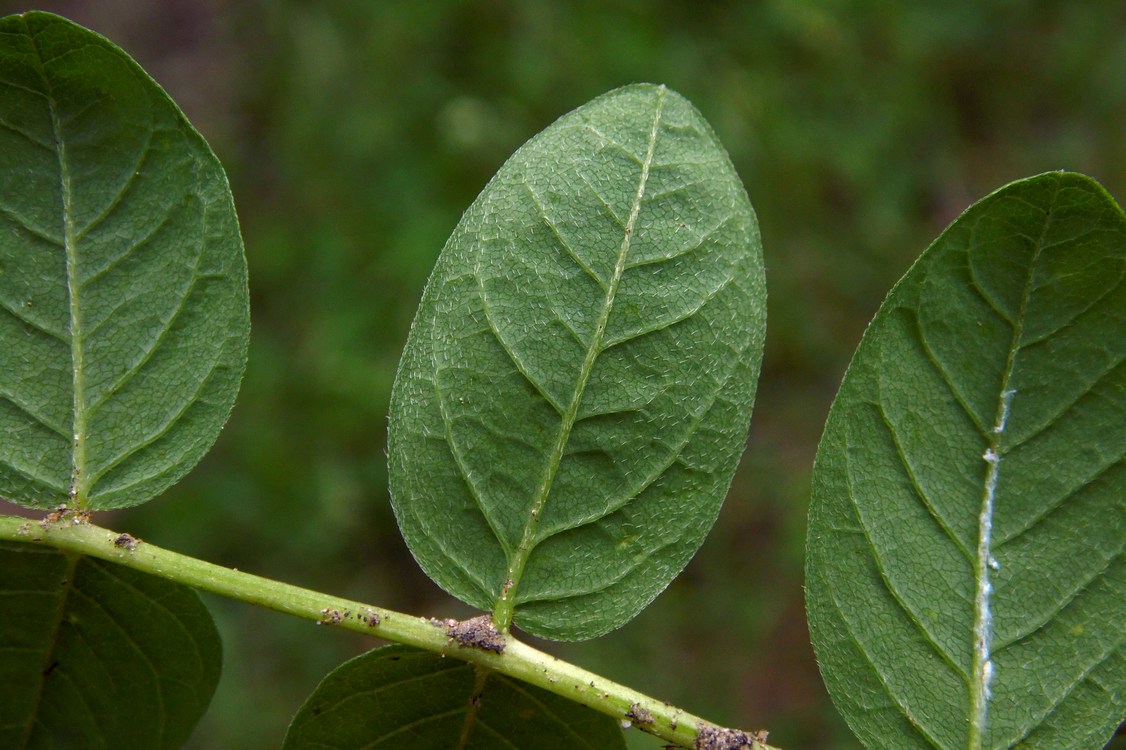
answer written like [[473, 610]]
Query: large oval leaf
[[98, 655], [966, 584], [400, 697], [575, 392], [123, 303]]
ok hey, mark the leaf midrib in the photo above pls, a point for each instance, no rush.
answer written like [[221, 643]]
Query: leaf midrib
[[79, 485], [53, 642], [480, 677], [982, 671], [505, 604]]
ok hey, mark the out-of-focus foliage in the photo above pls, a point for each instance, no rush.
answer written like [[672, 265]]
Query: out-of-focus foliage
[[356, 132]]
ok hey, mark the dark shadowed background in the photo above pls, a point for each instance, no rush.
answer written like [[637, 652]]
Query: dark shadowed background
[[356, 132]]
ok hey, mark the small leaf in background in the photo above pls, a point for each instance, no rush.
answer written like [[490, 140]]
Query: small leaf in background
[[98, 655], [575, 393], [124, 314], [398, 697], [966, 583]]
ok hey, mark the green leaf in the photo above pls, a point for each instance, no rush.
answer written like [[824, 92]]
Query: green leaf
[[98, 655], [124, 314], [574, 395], [399, 697], [966, 583]]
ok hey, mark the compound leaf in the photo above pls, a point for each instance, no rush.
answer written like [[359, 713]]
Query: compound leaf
[[399, 697], [966, 583], [575, 392], [124, 314], [98, 655]]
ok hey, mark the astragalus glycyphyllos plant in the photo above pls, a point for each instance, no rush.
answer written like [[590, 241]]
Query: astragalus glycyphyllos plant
[[569, 411]]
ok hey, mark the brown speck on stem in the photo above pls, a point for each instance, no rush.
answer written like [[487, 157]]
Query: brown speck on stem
[[330, 617], [126, 542], [717, 738], [54, 516], [63, 513], [477, 632], [369, 617], [640, 717]]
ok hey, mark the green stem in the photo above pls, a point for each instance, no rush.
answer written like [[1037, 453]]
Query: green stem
[[73, 534]]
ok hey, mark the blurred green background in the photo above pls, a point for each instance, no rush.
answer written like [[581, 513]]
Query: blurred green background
[[355, 133]]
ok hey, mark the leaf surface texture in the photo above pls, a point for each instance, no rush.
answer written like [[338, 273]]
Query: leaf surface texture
[[966, 583], [575, 392], [399, 697], [98, 655], [124, 315]]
